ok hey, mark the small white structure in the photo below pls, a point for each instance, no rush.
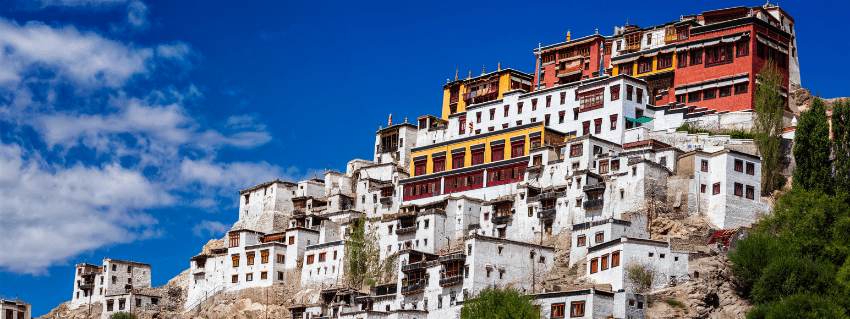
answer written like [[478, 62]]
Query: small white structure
[[15, 309], [590, 234], [607, 262], [591, 303]]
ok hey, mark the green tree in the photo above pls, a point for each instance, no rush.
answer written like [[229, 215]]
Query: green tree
[[752, 255], [811, 150], [801, 306], [841, 145], [768, 125], [788, 276], [362, 256], [122, 315], [493, 303]]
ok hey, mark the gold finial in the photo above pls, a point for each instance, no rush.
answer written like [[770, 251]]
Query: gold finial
[[482, 70], [470, 74], [456, 70], [568, 34], [390, 123], [500, 66]]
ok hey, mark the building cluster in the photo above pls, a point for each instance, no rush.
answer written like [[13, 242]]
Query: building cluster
[[585, 148]]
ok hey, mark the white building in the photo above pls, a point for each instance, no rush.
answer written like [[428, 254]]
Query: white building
[[15, 309], [591, 303], [606, 262]]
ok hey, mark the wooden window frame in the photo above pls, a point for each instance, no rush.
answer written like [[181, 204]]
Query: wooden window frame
[[751, 192], [558, 310], [497, 153], [594, 265], [311, 259], [581, 241], [603, 262], [577, 309], [715, 189], [739, 190], [615, 259]]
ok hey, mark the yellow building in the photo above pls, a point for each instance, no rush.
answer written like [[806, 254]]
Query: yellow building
[[458, 94]]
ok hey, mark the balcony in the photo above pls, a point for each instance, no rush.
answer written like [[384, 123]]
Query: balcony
[[405, 230], [87, 286], [414, 266], [451, 281], [594, 187], [570, 71], [593, 204], [535, 168], [453, 256], [546, 195], [546, 213], [412, 289], [502, 219], [386, 200], [389, 149]]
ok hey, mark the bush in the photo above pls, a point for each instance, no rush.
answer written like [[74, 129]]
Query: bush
[[788, 276], [674, 303], [801, 306], [751, 256], [493, 303], [122, 315]]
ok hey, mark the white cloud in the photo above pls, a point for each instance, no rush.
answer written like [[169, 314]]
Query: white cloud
[[209, 229], [83, 57], [52, 213], [81, 3]]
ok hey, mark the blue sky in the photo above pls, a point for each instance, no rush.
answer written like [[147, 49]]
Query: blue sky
[[128, 126]]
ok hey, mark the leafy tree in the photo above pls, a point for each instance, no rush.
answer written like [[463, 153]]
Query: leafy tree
[[788, 276], [841, 145], [362, 256], [811, 150], [640, 276], [122, 315], [768, 125], [801, 306], [492, 303], [752, 255]]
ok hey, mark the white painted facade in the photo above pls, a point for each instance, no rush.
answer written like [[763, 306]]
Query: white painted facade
[[670, 266]]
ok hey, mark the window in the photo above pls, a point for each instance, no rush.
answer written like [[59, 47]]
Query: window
[[600, 236], [580, 241], [548, 101], [497, 153], [629, 90], [665, 61], [439, 164], [519, 108], [742, 48], [682, 34], [517, 149], [604, 262], [457, 161], [751, 192], [322, 257], [462, 125], [545, 119], [264, 257], [597, 126], [234, 242], [651, 255], [644, 65], [492, 114], [249, 276], [715, 189], [507, 108], [739, 166], [741, 88], [558, 310], [704, 166], [615, 259], [577, 309], [725, 91], [419, 168], [626, 68], [234, 278], [718, 54], [264, 275], [751, 168], [694, 96], [478, 157], [696, 57], [533, 104], [563, 97], [575, 150], [250, 257], [591, 99], [702, 188], [648, 38], [682, 59], [594, 265], [292, 240], [235, 259], [639, 97], [739, 189], [661, 256], [709, 94], [310, 259], [280, 258], [279, 275]]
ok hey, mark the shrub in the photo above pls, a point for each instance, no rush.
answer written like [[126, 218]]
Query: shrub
[[674, 303], [492, 303], [122, 315], [801, 306], [788, 276]]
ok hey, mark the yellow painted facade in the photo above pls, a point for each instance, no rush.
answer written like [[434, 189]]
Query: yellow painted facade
[[504, 86], [655, 69], [429, 165]]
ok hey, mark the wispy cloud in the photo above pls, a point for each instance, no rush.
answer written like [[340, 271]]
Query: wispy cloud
[[209, 229]]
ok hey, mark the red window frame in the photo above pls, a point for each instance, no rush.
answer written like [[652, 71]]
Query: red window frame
[[613, 121], [639, 97], [682, 59], [615, 259], [702, 188], [463, 182], [419, 168], [615, 93], [517, 149], [704, 166], [644, 66], [462, 125], [478, 117], [561, 117], [507, 108], [439, 164], [696, 57], [594, 265], [665, 61], [576, 150], [497, 153], [478, 157], [548, 100], [519, 108], [742, 48], [546, 119], [421, 189], [506, 174], [457, 160], [627, 68], [533, 104], [715, 189], [629, 90], [585, 128], [739, 189], [751, 192], [739, 166], [563, 97], [591, 99], [597, 126], [492, 114], [751, 168]]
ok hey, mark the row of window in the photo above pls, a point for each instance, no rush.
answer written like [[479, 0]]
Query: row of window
[[603, 262], [739, 166], [581, 240], [739, 190], [466, 181], [322, 257], [264, 258], [497, 153], [710, 94], [250, 276], [576, 309]]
